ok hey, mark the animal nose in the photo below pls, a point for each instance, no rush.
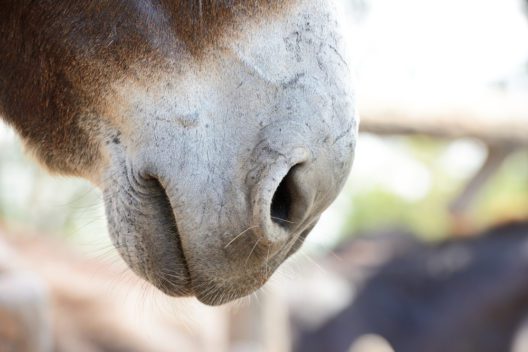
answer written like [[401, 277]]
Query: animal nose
[[283, 198]]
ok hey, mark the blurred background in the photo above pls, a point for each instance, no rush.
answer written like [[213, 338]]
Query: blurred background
[[426, 249]]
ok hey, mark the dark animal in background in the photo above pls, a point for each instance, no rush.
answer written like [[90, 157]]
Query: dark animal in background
[[459, 296]]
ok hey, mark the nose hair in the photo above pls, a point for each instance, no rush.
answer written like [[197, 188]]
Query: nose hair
[[283, 198]]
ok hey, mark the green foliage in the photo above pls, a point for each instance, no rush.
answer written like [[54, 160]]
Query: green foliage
[[505, 196]]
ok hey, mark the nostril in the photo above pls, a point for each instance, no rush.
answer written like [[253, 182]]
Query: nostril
[[282, 197], [282, 201]]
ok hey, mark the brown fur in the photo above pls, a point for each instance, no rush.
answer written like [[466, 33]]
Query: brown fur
[[57, 57]]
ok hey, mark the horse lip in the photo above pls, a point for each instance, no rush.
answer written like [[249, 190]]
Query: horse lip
[[232, 287], [163, 279], [220, 292], [145, 232]]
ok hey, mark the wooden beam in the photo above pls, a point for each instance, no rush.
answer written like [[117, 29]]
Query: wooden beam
[[495, 117]]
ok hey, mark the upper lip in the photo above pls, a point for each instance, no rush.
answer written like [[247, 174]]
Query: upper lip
[[166, 279], [146, 214], [145, 232]]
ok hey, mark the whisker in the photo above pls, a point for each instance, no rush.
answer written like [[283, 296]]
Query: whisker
[[252, 249], [283, 220], [240, 234]]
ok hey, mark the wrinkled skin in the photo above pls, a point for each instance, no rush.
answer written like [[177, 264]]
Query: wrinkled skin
[[217, 159]]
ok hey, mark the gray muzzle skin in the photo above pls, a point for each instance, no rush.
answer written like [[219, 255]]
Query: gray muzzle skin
[[227, 164]]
